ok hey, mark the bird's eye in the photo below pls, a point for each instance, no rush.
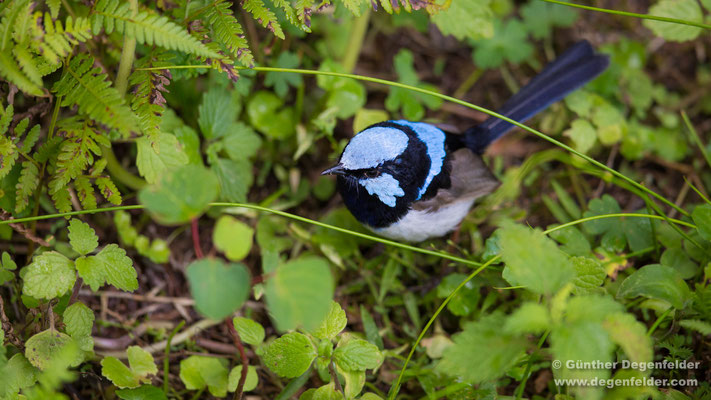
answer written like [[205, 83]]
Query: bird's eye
[[372, 173]]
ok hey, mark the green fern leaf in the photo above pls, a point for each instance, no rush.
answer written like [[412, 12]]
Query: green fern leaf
[[26, 185], [303, 12], [12, 18], [48, 149], [62, 200], [54, 7], [23, 23], [8, 155], [56, 41], [89, 88], [20, 128], [146, 28], [77, 151], [228, 31], [85, 193], [290, 14], [264, 16], [6, 117], [30, 139], [147, 99], [353, 6], [10, 71], [9, 20], [27, 63], [109, 190]]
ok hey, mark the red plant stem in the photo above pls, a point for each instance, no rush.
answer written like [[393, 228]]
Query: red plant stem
[[196, 238], [242, 354]]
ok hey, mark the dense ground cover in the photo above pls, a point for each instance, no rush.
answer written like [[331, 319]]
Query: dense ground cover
[[166, 232]]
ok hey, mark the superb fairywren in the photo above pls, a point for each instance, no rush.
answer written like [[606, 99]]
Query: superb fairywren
[[412, 181]]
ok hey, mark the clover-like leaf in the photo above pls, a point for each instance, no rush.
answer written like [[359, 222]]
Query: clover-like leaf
[[82, 237], [218, 288]]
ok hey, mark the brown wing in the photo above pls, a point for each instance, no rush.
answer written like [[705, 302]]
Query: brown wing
[[470, 179]]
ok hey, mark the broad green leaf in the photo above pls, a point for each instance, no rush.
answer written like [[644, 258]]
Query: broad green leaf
[[82, 237], [593, 308], [482, 352], [590, 275], [702, 219], [466, 300], [241, 142], [50, 275], [436, 345], [533, 260], [466, 19], [365, 117], [509, 43], [541, 18], [181, 194], [529, 318], [355, 380], [687, 10], [198, 372], [249, 384], [251, 332], [47, 346], [219, 289], [573, 241], [290, 355], [613, 238], [119, 373], [217, 113], [657, 282], [357, 355], [233, 237], [141, 361], [110, 266], [281, 81], [333, 324], [235, 178], [326, 392], [630, 335], [300, 293], [680, 261], [267, 115], [78, 319], [583, 135], [161, 155], [145, 392], [17, 374], [348, 96]]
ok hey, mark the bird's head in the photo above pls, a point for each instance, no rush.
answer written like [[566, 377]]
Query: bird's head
[[381, 172]]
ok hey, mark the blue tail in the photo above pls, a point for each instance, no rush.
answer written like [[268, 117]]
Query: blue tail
[[571, 70]]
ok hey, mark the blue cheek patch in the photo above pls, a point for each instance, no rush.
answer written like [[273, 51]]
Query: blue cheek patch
[[385, 187], [374, 146], [433, 138]]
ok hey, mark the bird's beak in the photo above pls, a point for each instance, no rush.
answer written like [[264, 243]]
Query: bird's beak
[[335, 170]]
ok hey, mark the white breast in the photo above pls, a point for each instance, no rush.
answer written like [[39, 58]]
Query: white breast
[[418, 225]]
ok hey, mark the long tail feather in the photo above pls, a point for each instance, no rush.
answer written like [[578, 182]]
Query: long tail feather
[[571, 70]]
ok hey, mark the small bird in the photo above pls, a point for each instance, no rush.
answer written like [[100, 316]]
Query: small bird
[[412, 181]]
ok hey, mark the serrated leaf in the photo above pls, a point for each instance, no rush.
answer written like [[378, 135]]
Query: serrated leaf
[[217, 113], [110, 266], [583, 135], [357, 355], [657, 282], [687, 10], [141, 361], [466, 19], [219, 289], [589, 275], [241, 142], [541, 18], [249, 384], [17, 374], [529, 318], [198, 372], [702, 327], [333, 324], [48, 346], [26, 185], [82, 237], [508, 43], [118, 373], [50, 275], [159, 154], [290, 355], [233, 237], [173, 202], [300, 293], [631, 336], [251, 332], [78, 319]]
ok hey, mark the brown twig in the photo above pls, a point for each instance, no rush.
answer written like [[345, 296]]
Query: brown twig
[[196, 238], [334, 377], [242, 354], [24, 231]]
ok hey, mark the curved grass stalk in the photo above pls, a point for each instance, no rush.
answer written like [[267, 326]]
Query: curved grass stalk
[[631, 14], [456, 101]]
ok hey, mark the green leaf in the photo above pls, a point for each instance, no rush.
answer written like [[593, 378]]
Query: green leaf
[[702, 327], [365, 118], [144, 392], [590, 275], [198, 372], [687, 10], [702, 219], [78, 320], [249, 384], [357, 355], [181, 194], [290, 355], [613, 232], [118, 373], [630, 335], [159, 154], [583, 135], [141, 361], [463, 19], [466, 300], [509, 43], [348, 96], [233, 237], [17, 374], [251, 332], [48, 346], [300, 293], [533, 260], [680, 261], [112, 266], [241, 142], [50, 275], [482, 352], [281, 81], [235, 178], [219, 289], [529, 318], [267, 115], [657, 282], [541, 18], [82, 237], [333, 324], [218, 112]]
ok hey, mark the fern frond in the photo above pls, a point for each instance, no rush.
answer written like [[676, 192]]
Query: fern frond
[[303, 11], [10, 71], [8, 155], [290, 14], [85, 193], [109, 190], [55, 41], [54, 7], [90, 89], [48, 149], [228, 31], [62, 200], [76, 152], [146, 28], [6, 117], [23, 23], [147, 99], [26, 185], [264, 16], [30, 139], [353, 6], [27, 63], [9, 19]]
